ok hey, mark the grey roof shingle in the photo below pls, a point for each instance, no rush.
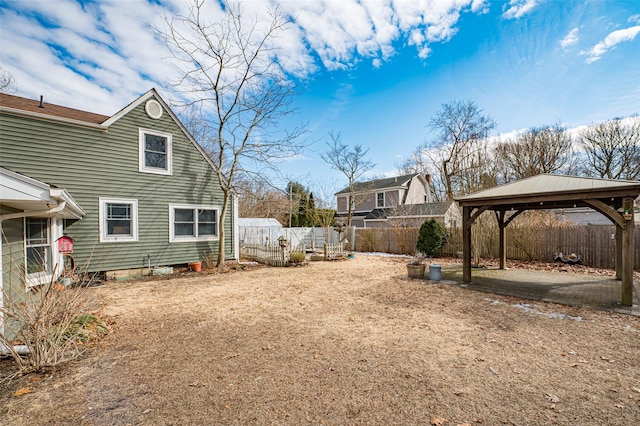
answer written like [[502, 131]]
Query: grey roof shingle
[[419, 210], [392, 182]]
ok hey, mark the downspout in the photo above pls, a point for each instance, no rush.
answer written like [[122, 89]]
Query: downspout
[[20, 349]]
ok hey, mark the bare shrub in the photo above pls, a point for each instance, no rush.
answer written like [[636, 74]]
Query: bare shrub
[[50, 324], [526, 230], [297, 257], [370, 239]]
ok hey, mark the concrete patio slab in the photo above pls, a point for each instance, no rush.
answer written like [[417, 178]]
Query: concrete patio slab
[[598, 292]]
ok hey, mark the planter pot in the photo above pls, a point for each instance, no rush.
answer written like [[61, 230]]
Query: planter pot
[[435, 272], [415, 271], [195, 266]]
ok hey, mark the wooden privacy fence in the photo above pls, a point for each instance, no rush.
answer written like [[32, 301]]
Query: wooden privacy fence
[[595, 243]]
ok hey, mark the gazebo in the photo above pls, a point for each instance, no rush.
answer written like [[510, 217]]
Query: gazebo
[[613, 198]]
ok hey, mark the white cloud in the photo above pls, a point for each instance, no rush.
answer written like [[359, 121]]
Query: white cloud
[[480, 6], [99, 55], [610, 42], [518, 8], [570, 39]]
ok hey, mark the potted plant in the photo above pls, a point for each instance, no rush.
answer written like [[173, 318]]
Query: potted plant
[[415, 268]]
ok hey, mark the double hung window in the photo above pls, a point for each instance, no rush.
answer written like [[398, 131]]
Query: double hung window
[[38, 250], [193, 223], [155, 152], [118, 220]]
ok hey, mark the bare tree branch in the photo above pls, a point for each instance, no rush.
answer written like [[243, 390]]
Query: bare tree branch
[[540, 150], [612, 149], [236, 93], [459, 149], [7, 82], [351, 162]]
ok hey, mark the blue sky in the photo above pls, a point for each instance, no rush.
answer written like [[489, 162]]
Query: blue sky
[[376, 70]]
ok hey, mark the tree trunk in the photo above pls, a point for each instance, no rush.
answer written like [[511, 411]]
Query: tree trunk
[[221, 233]]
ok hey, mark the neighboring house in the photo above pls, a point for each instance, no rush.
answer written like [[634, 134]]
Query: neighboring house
[[588, 216], [413, 215], [132, 190], [386, 193]]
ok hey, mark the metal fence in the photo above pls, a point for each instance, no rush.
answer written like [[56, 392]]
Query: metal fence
[[594, 243]]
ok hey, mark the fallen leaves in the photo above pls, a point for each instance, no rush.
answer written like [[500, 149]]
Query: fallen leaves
[[22, 391]]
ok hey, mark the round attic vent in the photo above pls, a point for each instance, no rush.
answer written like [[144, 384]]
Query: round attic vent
[[153, 109]]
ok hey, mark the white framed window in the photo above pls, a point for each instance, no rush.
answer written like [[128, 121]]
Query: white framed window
[[193, 222], [118, 220], [38, 251], [155, 152], [380, 199]]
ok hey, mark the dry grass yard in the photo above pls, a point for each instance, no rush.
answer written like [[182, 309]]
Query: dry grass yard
[[336, 343]]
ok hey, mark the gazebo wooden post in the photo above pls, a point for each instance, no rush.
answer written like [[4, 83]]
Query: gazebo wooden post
[[503, 241], [628, 248], [618, 252], [466, 244]]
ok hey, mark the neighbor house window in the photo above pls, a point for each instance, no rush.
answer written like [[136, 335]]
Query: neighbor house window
[[380, 199], [155, 152], [38, 251], [118, 220], [193, 223]]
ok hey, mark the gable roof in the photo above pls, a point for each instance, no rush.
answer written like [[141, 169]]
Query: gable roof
[[416, 210], [17, 105], [549, 184], [386, 183], [32, 105]]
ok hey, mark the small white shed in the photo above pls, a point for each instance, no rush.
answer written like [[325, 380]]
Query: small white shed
[[253, 230]]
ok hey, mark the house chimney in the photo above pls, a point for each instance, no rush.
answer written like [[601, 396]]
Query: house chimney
[[41, 101], [428, 178]]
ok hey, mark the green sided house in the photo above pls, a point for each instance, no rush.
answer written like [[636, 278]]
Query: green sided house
[[132, 191]]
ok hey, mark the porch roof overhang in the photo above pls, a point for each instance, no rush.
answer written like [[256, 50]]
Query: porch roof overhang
[[28, 195], [612, 198]]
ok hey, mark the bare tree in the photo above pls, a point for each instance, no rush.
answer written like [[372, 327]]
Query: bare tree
[[7, 82], [459, 149], [257, 199], [612, 149], [235, 85], [545, 149], [351, 162]]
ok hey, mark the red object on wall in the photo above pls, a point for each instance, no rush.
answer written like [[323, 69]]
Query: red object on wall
[[65, 244]]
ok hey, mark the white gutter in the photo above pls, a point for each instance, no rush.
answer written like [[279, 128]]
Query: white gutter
[[18, 215], [43, 213], [53, 118]]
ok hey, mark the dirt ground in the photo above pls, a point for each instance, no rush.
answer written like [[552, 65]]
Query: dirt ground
[[334, 343]]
